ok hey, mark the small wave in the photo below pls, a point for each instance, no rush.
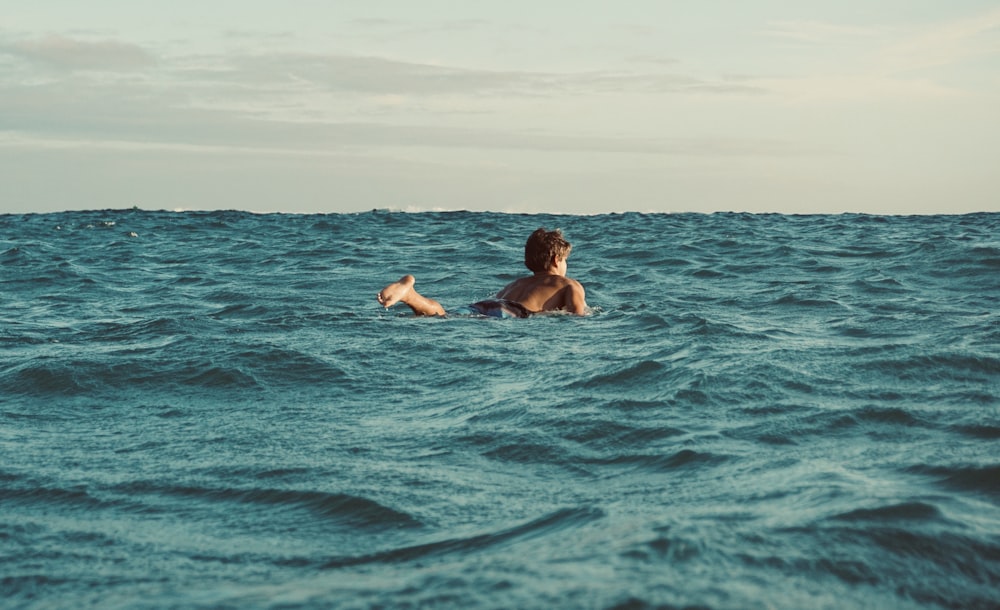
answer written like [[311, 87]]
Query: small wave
[[232, 471], [907, 511], [77, 378], [158, 328], [44, 498], [281, 473], [238, 300], [916, 559], [685, 458], [710, 329], [877, 421], [957, 366], [218, 377], [607, 434], [51, 496], [861, 252], [707, 273], [979, 431], [628, 375], [880, 286], [664, 547], [650, 321], [798, 300], [51, 379], [29, 587], [284, 366], [241, 311], [631, 404], [855, 329], [543, 526], [795, 425], [886, 416], [343, 509], [977, 479], [528, 453]]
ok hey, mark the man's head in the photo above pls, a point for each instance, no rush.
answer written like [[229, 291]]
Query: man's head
[[543, 247]]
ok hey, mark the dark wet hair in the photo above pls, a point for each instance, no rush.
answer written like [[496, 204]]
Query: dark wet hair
[[542, 246]]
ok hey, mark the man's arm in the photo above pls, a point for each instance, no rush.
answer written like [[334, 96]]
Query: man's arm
[[576, 299]]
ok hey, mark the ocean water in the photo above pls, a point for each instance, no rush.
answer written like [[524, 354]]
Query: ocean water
[[210, 410]]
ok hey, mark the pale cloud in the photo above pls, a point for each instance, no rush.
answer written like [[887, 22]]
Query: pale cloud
[[374, 75], [384, 33], [381, 76], [886, 64], [454, 25], [816, 32], [952, 42], [211, 133], [654, 60], [400, 28], [837, 89], [377, 22], [66, 53]]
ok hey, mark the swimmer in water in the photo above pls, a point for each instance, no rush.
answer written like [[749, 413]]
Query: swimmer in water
[[548, 289]]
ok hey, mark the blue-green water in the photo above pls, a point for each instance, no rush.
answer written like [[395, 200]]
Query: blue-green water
[[209, 410]]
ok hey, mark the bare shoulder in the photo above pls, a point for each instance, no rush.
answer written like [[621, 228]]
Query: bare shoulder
[[570, 285], [526, 286], [575, 299], [546, 293]]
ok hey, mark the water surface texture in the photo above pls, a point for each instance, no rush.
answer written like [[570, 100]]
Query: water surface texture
[[210, 410]]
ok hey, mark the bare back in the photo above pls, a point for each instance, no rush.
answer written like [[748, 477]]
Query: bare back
[[544, 292]]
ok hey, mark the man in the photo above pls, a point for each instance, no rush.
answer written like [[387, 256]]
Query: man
[[548, 289]]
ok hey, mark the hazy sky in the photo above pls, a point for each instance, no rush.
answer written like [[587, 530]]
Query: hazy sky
[[557, 106]]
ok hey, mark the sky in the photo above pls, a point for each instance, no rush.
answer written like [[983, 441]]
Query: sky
[[582, 107]]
